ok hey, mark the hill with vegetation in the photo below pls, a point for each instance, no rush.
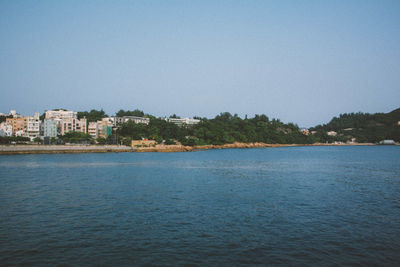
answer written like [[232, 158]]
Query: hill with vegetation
[[223, 129], [364, 127]]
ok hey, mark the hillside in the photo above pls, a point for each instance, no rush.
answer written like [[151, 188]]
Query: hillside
[[364, 127]]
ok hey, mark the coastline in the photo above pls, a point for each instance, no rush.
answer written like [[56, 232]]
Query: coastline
[[61, 149], [71, 149]]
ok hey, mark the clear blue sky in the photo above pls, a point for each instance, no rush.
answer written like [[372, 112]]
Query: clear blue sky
[[300, 61]]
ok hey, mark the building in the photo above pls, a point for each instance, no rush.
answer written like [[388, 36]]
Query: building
[[104, 127], [73, 125], [305, 131], [14, 114], [183, 122], [331, 133], [33, 126], [5, 129], [387, 142], [49, 128], [119, 120], [61, 114], [92, 129], [18, 124]]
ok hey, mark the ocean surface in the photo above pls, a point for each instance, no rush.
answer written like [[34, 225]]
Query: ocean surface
[[277, 206]]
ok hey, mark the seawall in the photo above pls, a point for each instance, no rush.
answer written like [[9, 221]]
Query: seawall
[[59, 149]]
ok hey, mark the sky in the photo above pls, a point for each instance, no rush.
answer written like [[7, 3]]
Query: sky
[[299, 61]]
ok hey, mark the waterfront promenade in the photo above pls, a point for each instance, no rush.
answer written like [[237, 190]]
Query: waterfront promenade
[[45, 149]]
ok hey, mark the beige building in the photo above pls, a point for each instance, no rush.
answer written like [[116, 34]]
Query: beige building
[[18, 125], [104, 127], [61, 114], [92, 129], [73, 125]]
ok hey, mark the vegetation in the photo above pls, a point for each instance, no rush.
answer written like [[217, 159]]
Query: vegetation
[[227, 128], [38, 140], [136, 112], [93, 115], [11, 139], [364, 127], [4, 118], [224, 128], [77, 138]]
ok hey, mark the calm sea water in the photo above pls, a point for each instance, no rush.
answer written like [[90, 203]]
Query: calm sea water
[[288, 206]]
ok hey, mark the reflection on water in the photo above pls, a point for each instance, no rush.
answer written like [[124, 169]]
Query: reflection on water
[[297, 206]]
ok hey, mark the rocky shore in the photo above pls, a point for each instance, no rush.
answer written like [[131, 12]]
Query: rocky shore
[[60, 149], [181, 148]]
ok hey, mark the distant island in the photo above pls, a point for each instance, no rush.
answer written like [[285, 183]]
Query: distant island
[[62, 126]]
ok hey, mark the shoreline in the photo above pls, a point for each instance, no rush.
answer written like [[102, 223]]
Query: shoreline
[[74, 149], [61, 149]]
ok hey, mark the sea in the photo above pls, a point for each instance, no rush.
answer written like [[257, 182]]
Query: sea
[[296, 206]]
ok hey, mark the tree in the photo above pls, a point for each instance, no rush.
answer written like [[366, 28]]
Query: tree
[[136, 112], [93, 115], [101, 140], [37, 140], [77, 137]]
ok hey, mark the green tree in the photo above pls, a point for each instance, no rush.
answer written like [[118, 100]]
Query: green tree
[[136, 112], [93, 115], [37, 140]]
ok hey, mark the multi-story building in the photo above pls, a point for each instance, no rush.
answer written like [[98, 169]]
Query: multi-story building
[[92, 129], [18, 124], [5, 129], [183, 122], [119, 120], [49, 128], [33, 126], [142, 120], [61, 114], [104, 127], [73, 125]]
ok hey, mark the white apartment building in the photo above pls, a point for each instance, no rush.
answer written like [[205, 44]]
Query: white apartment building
[[73, 125], [5, 129], [183, 122], [33, 126], [49, 128], [119, 120], [61, 114]]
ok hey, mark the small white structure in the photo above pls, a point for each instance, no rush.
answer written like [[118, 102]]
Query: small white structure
[[387, 142], [331, 133]]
